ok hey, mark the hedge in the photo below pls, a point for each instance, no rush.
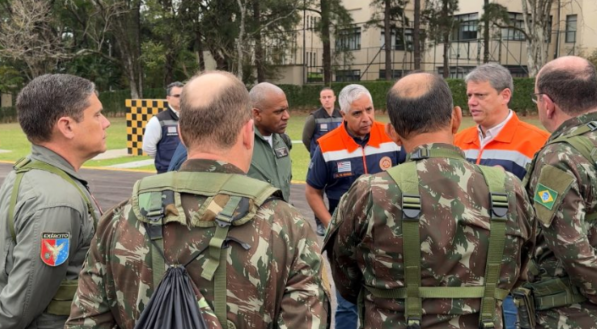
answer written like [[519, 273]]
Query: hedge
[[307, 97], [8, 114]]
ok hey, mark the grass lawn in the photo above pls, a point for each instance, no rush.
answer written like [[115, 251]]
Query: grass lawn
[[13, 139]]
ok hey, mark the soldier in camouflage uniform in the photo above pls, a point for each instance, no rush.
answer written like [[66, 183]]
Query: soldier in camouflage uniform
[[367, 240], [562, 182], [273, 262]]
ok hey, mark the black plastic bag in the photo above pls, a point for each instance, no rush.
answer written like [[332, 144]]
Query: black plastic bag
[[173, 304]]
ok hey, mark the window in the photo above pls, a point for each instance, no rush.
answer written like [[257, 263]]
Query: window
[[457, 72], [349, 39], [348, 75], [517, 20], [518, 71], [396, 74], [467, 27], [571, 28], [398, 44]]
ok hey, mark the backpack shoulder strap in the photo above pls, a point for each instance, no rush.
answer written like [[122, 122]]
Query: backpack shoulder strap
[[584, 146], [496, 181], [154, 192], [408, 182], [208, 184], [581, 143], [407, 179], [286, 140], [23, 166]]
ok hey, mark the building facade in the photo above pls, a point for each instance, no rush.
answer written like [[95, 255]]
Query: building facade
[[358, 52]]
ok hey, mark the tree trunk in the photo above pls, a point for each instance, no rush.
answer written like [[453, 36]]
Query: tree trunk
[[535, 27], [486, 35], [416, 35], [241, 39], [199, 49], [446, 39], [325, 38], [388, 38], [259, 60]]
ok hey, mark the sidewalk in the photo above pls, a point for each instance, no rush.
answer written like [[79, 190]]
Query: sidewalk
[[112, 154]]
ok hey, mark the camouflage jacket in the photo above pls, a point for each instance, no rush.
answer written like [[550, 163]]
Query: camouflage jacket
[[277, 283], [563, 185], [365, 242]]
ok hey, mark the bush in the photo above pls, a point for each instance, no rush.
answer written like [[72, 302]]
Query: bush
[[8, 114], [307, 97]]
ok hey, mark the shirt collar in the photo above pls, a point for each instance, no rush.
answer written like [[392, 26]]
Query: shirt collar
[[436, 150], [173, 110], [572, 123], [205, 165], [43, 154], [491, 133], [374, 138]]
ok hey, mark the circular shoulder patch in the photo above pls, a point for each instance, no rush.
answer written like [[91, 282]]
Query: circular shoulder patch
[[385, 163]]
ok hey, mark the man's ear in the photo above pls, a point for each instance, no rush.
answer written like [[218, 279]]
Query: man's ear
[[550, 106], [393, 134], [256, 114], [456, 119], [180, 136], [506, 95], [65, 126], [248, 134]]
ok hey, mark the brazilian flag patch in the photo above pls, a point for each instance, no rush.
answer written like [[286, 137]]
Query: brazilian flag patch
[[545, 196]]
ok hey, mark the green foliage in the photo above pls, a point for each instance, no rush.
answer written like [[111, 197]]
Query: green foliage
[[8, 114], [440, 19], [10, 79], [307, 97]]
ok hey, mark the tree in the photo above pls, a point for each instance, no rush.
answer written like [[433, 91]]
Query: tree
[[441, 22], [122, 19], [334, 17], [393, 13], [417, 35], [271, 26], [29, 36], [536, 17]]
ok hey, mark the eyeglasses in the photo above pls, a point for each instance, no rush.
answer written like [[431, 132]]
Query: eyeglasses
[[535, 97]]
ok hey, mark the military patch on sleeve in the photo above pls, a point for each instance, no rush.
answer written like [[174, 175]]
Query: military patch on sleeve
[[551, 189], [54, 248], [545, 196]]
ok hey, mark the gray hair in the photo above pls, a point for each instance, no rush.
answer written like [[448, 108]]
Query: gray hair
[[351, 93], [260, 92], [172, 85], [49, 97], [498, 76]]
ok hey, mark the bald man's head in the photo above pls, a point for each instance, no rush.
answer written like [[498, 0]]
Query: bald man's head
[[570, 82], [214, 106], [419, 103], [261, 93]]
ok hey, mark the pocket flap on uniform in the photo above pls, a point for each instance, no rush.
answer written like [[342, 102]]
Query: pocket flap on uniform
[[551, 188]]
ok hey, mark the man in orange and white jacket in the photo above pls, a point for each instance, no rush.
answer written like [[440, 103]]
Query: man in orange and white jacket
[[500, 138]]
